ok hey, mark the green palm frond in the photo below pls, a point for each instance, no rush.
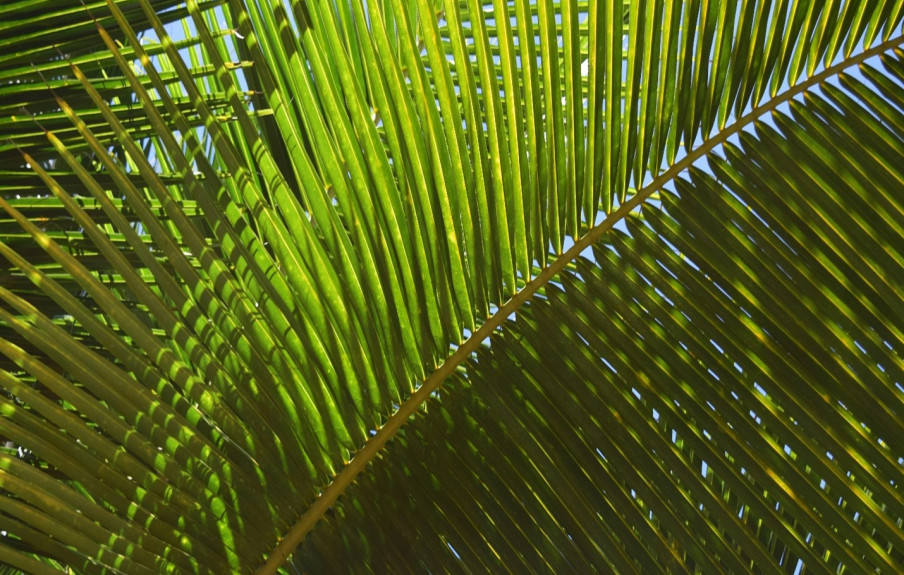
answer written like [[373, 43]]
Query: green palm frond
[[718, 388], [243, 244]]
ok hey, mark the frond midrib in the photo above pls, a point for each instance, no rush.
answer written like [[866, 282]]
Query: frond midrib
[[375, 444]]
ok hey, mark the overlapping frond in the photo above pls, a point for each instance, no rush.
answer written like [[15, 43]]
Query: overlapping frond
[[228, 260], [719, 389]]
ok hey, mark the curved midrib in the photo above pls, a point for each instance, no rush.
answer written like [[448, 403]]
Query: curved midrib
[[297, 533]]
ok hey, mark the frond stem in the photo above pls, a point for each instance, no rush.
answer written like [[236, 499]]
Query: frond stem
[[343, 479]]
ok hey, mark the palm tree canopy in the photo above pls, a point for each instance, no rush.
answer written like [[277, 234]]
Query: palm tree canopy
[[534, 286]]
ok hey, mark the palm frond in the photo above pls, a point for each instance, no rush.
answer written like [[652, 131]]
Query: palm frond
[[717, 389], [236, 263]]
